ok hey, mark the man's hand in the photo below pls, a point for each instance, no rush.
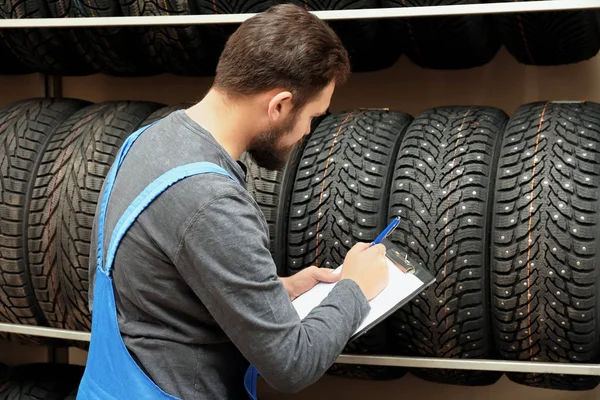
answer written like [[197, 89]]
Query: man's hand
[[306, 279], [367, 266]]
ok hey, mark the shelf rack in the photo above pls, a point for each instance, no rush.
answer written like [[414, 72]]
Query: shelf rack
[[330, 15], [388, 361], [53, 89]]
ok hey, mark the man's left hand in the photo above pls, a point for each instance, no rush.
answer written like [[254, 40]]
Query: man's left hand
[[306, 279]]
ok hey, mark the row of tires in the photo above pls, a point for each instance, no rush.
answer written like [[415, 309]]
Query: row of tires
[[502, 211], [47, 381], [550, 38]]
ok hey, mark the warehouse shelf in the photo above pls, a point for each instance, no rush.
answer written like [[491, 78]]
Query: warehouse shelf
[[366, 13], [43, 331], [387, 361], [53, 88]]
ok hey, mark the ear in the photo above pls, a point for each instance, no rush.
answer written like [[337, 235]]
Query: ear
[[279, 106]]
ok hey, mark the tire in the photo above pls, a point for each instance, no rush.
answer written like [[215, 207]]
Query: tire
[[187, 50], [272, 190], [265, 187], [26, 128], [4, 375], [370, 43], [443, 180], [545, 242], [10, 64], [446, 42], [550, 38], [41, 49], [41, 382], [64, 203], [107, 50], [353, 189]]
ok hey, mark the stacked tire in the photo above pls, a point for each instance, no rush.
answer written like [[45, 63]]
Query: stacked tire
[[448, 42], [40, 381], [544, 278], [443, 188], [502, 211], [55, 156]]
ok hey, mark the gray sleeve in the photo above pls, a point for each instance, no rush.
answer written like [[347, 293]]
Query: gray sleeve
[[224, 257]]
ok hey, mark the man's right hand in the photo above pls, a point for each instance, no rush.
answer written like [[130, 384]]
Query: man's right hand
[[367, 266]]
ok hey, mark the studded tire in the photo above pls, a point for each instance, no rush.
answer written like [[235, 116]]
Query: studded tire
[[271, 189], [41, 381], [443, 188], [339, 190], [545, 240], [456, 42], [67, 188], [550, 38], [26, 128]]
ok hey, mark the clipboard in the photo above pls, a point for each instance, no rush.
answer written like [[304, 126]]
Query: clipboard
[[407, 279]]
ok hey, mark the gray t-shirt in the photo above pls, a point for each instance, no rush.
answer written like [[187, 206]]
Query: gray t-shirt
[[196, 287]]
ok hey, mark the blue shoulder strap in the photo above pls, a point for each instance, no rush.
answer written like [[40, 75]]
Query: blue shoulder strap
[[108, 185]]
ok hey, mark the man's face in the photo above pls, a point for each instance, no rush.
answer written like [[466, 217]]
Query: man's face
[[271, 149]]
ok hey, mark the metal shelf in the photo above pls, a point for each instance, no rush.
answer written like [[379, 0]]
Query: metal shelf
[[367, 13], [389, 361], [45, 332]]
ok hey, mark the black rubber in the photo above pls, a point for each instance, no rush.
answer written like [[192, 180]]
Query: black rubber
[[445, 42], [443, 190], [550, 38], [107, 50], [4, 375], [370, 43], [265, 187], [280, 242], [42, 49], [272, 190], [26, 127], [41, 382], [72, 395], [339, 191], [10, 64], [545, 240], [187, 50], [64, 203]]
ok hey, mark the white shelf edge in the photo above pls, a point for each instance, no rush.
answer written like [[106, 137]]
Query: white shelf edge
[[473, 364], [45, 332], [367, 13], [389, 361]]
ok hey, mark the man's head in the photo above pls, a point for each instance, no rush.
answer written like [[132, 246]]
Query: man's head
[[290, 62]]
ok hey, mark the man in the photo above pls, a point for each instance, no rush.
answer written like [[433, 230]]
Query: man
[[196, 292]]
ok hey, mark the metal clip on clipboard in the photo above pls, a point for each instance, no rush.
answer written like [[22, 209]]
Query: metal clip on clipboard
[[394, 253]]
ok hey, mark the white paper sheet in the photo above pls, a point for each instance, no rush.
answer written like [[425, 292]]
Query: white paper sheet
[[399, 287]]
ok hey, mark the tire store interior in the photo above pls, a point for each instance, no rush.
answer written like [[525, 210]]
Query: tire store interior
[[479, 128]]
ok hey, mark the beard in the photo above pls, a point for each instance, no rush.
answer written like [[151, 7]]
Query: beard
[[265, 149]]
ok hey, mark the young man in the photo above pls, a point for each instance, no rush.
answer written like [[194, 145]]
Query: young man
[[196, 293]]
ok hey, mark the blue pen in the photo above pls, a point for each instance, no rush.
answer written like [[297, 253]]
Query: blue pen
[[387, 231]]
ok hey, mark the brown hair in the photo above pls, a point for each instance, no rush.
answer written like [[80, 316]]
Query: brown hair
[[284, 47]]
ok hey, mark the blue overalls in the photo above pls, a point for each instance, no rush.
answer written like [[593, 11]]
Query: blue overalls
[[111, 372]]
